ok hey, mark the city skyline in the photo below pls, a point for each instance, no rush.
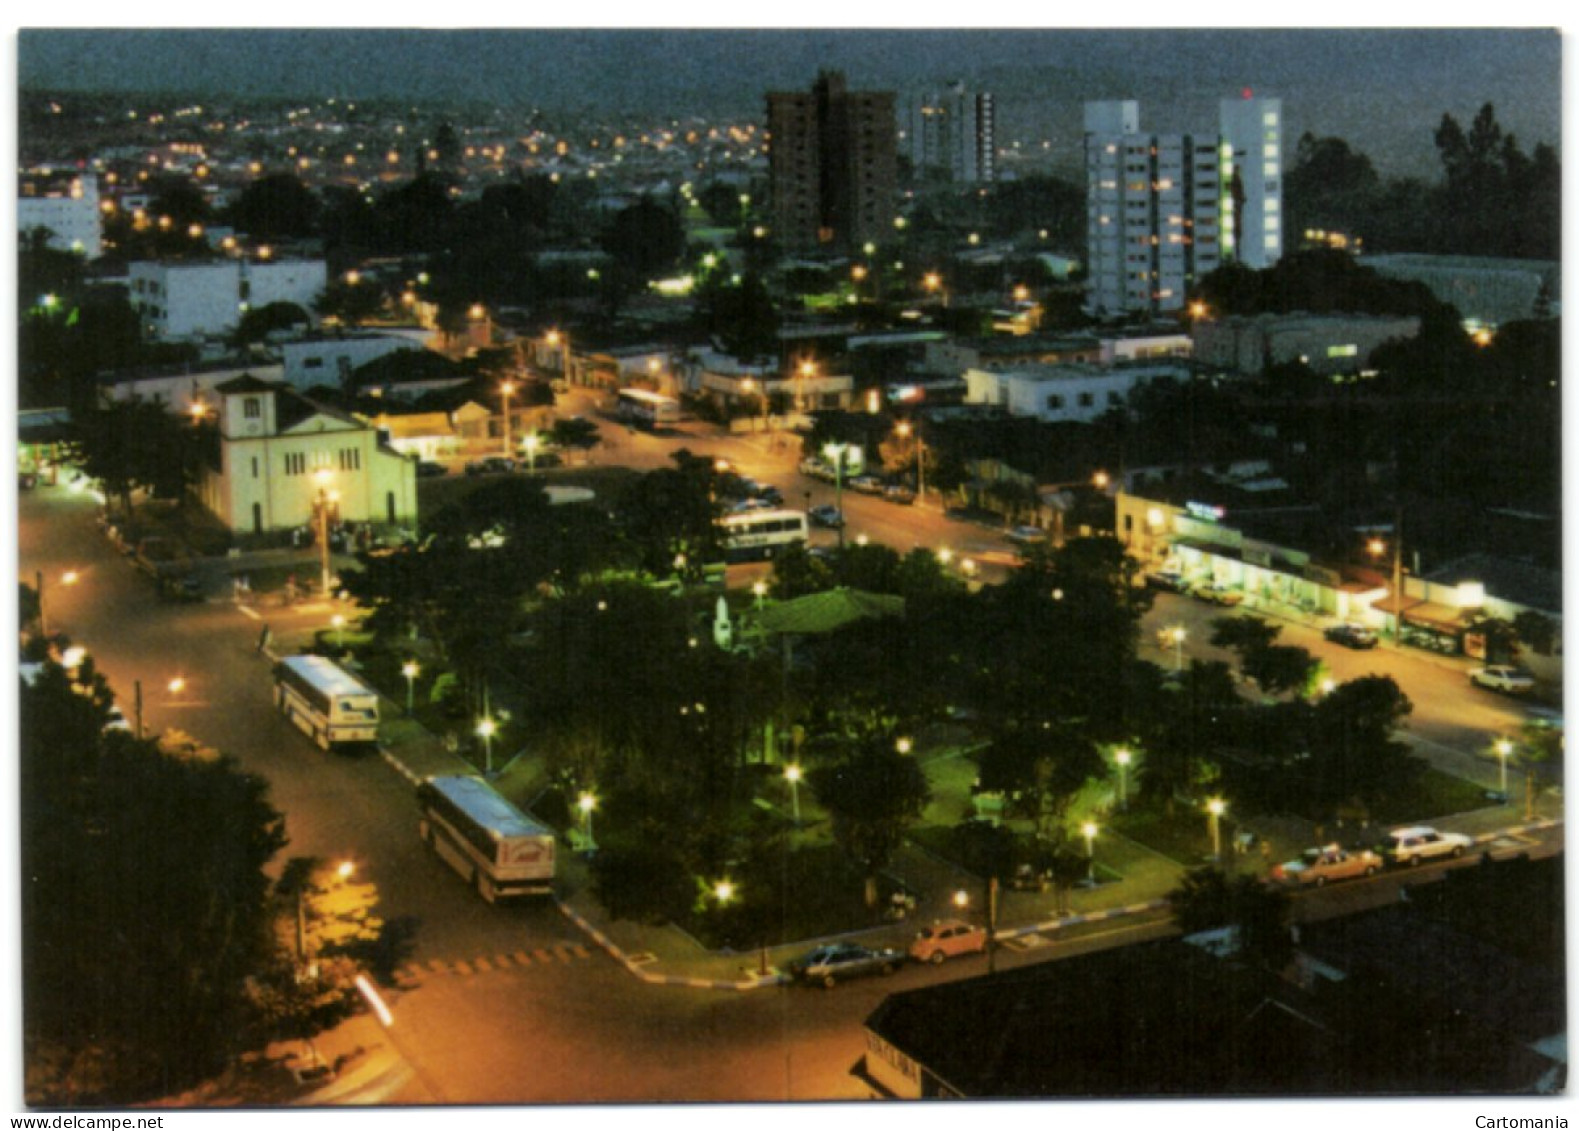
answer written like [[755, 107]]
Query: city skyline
[[1330, 78]]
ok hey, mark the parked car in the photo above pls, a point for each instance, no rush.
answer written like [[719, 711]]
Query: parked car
[[816, 468], [1316, 866], [427, 469], [1351, 636], [1504, 678], [826, 515], [181, 588], [948, 939], [899, 493], [1168, 580], [866, 485], [1419, 842], [490, 465], [1216, 594], [830, 964], [1026, 535]]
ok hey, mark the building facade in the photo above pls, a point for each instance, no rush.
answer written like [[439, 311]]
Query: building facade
[[330, 360], [952, 132], [831, 164], [1330, 344], [1164, 210], [1055, 394], [69, 213], [279, 455], [178, 301]]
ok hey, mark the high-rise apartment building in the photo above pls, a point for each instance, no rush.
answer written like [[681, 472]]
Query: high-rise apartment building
[[831, 157], [952, 132], [1163, 210]]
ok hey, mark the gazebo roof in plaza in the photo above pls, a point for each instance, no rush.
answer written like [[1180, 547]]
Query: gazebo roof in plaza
[[818, 613]]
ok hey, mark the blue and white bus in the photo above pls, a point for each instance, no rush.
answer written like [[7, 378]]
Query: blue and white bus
[[326, 702], [498, 849], [646, 409], [761, 533]]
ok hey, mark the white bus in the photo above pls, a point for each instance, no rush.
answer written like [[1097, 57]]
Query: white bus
[[500, 850], [646, 409], [327, 703], [761, 533]]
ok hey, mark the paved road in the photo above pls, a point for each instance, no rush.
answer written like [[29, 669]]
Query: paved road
[[1453, 723], [567, 1026]]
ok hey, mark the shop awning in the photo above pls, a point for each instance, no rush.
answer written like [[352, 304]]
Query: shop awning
[[1443, 618]]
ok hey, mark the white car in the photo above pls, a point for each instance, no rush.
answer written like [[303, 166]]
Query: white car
[[1412, 845], [1504, 678]]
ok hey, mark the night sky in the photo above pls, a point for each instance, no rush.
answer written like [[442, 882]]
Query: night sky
[[1384, 91]]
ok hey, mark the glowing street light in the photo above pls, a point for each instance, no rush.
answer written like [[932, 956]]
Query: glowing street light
[[1504, 748], [531, 442], [723, 891], [1215, 808], [836, 452], [1177, 634], [1121, 758], [759, 590], [904, 745], [176, 685], [410, 669], [486, 729], [70, 577], [792, 774], [338, 623], [506, 388], [961, 899], [1089, 831], [586, 803]]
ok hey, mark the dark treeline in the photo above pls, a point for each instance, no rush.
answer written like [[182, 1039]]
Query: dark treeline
[[1493, 198]]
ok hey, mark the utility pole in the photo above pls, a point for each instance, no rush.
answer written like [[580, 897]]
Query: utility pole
[[1398, 577], [137, 705], [992, 925]]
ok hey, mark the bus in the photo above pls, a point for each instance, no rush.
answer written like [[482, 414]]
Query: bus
[[500, 850], [326, 702], [646, 409], [761, 533]]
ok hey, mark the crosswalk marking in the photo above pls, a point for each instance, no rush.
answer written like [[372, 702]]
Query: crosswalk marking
[[484, 964]]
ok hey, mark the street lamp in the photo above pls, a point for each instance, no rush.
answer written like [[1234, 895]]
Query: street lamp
[[505, 389], [792, 774], [176, 685], [410, 669], [759, 590], [325, 501], [1504, 748], [1089, 831], [723, 891], [1122, 758], [1377, 546], [836, 453], [531, 443], [903, 745], [906, 429], [1177, 634], [961, 900], [1215, 807], [586, 803], [485, 731], [338, 623]]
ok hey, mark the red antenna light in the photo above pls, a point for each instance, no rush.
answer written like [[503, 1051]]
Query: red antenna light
[[1247, 93]]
